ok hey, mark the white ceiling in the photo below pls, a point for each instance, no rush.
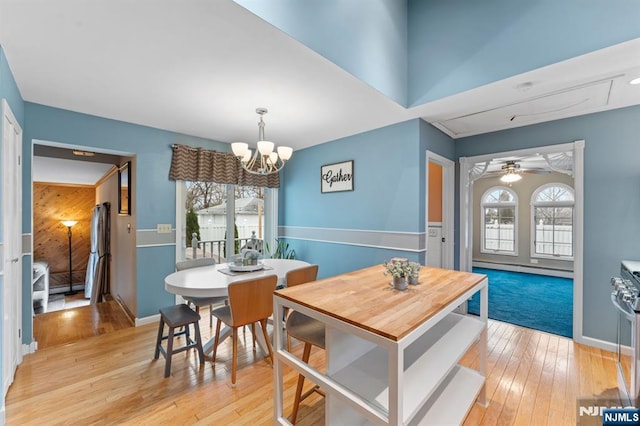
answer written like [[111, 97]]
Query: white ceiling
[[202, 67], [59, 170]]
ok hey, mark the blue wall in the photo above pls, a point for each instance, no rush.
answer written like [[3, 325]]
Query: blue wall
[[367, 38], [154, 194], [9, 89], [389, 193], [457, 45], [611, 199]]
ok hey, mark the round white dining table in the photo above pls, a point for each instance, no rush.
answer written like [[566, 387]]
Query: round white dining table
[[211, 281]]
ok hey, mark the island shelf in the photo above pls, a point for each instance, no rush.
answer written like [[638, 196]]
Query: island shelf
[[392, 356]]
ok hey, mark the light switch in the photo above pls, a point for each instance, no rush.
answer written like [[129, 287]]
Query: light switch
[[163, 228]]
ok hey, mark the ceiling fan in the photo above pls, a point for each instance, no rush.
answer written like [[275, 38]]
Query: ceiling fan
[[511, 172]]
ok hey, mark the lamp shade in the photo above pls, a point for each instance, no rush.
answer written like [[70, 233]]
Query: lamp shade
[[69, 223], [265, 147], [285, 152], [239, 148]]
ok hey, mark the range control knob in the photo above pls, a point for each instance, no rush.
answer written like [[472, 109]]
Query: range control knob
[[617, 283]]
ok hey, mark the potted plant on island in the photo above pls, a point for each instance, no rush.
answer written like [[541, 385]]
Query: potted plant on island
[[414, 275], [400, 269]]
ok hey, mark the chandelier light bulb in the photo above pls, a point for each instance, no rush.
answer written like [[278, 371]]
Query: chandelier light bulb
[[239, 148], [265, 147], [273, 158], [285, 152]]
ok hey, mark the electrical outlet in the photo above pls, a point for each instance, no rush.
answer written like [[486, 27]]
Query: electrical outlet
[[163, 228], [433, 232]]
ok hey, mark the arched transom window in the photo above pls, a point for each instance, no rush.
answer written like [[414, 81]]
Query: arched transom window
[[552, 217], [499, 206]]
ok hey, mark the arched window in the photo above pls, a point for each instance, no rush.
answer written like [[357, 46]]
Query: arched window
[[499, 207], [552, 221]]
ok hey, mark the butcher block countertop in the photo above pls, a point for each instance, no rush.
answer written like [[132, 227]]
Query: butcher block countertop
[[365, 298]]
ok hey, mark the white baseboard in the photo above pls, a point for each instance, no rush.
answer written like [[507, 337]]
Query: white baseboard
[[3, 414], [525, 269], [30, 348], [74, 287], [597, 343], [147, 320]]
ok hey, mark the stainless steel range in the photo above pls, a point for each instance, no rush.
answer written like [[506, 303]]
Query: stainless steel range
[[626, 298]]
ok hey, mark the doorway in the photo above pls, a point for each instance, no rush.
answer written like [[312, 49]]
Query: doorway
[[68, 183], [493, 227], [439, 211]]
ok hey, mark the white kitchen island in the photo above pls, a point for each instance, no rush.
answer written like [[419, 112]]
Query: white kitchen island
[[392, 356]]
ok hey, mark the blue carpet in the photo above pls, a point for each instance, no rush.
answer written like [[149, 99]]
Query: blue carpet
[[534, 301]]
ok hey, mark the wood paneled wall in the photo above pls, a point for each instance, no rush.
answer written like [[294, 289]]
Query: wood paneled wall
[[51, 205]]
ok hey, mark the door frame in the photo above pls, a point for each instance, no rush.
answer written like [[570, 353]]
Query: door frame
[[448, 207], [12, 268], [466, 216]]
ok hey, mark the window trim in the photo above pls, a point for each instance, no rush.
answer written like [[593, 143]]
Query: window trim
[[483, 207], [533, 206], [270, 202]]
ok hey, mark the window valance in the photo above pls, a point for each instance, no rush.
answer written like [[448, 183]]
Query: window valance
[[203, 165]]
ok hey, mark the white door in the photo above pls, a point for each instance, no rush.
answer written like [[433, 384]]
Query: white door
[[11, 232]]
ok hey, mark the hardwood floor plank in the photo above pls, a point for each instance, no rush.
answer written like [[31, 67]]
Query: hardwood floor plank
[[533, 378], [543, 395], [525, 408], [558, 387]]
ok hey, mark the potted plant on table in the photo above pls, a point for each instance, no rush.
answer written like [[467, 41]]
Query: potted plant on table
[[400, 269]]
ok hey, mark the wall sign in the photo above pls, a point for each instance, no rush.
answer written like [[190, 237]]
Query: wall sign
[[337, 177]]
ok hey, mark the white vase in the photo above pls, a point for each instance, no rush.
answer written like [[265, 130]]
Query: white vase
[[400, 283]]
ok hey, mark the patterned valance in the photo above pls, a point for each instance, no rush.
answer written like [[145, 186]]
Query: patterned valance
[[203, 165]]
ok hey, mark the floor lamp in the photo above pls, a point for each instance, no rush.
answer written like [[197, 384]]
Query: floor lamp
[[69, 224]]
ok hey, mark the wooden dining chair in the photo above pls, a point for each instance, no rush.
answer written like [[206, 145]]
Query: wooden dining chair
[[199, 302], [250, 301], [305, 329]]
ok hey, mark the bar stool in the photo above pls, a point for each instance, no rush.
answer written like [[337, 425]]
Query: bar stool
[[305, 329], [178, 316], [312, 333]]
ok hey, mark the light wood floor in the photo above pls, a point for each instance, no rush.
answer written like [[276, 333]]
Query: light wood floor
[[534, 378], [70, 325]]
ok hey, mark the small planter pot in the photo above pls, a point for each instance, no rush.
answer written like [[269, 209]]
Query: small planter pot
[[400, 283], [413, 279]]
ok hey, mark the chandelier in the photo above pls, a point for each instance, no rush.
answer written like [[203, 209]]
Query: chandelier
[[264, 160]]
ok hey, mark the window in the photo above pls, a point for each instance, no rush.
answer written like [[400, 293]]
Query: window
[[205, 206], [552, 216], [499, 207]]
